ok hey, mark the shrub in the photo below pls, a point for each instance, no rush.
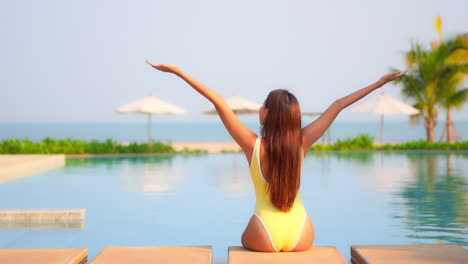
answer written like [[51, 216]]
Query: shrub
[[70, 146]]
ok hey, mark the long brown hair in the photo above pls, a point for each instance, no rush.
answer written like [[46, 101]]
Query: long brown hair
[[282, 133]]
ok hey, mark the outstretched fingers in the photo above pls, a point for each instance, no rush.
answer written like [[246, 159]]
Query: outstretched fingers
[[156, 66], [400, 73], [164, 67], [394, 75]]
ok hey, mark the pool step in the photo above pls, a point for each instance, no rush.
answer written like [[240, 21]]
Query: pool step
[[42, 218], [44, 256], [147, 255], [316, 254], [415, 254]]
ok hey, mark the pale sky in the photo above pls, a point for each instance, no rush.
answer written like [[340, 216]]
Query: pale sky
[[77, 61]]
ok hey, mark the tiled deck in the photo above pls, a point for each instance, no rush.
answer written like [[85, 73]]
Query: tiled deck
[[414, 254], [44, 256], [316, 254], [149, 255]]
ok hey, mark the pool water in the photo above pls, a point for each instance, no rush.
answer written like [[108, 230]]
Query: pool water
[[207, 199]]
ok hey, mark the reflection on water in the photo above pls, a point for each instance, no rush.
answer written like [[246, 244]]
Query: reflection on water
[[157, 179], [42, 224], [153, 175], [113, 160], [234, 177], [151, 178], [435, 199], [388, 197]]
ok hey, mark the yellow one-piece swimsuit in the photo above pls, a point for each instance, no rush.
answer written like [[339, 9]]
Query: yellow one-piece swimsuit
[[284, 229]]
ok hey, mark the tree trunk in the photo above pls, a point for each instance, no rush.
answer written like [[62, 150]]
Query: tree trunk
[[449, 127], [429, 124]]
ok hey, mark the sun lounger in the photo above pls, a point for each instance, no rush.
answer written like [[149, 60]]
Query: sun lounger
[[44, 256], [143, 255], [414, 254], [322, 255]]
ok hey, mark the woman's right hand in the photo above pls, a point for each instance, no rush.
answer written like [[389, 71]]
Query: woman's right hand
[[165, 67]]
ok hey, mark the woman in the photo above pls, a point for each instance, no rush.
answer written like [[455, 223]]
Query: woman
[[280, 222]]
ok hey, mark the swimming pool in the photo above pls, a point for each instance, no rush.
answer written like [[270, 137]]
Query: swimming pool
[[207, 199]]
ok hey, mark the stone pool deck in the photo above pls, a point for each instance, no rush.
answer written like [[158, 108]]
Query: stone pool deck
[[414, 254], [383, 254], [44, 256], [18, 166]]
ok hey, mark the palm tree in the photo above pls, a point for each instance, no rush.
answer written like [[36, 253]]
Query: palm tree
[[456, 96], [429, 78]]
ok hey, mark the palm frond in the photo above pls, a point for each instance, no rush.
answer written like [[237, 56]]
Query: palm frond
[[449, 78], [412, 87], [458, 99], [415, 120]]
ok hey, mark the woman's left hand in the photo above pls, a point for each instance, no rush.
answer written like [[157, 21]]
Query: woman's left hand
[[393, 76], [165, 67]]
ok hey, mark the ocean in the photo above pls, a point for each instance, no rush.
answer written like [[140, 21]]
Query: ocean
[[395, 131]]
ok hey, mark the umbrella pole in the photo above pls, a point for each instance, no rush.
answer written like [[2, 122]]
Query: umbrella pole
[[381, 129], [149, 128]]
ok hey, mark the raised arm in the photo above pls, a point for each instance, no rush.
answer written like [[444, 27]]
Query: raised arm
[[316, 129], [238, 130]]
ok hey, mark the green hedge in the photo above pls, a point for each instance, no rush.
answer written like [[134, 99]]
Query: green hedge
[[366, 142], [361, 142], [425, 145], [70, 146]]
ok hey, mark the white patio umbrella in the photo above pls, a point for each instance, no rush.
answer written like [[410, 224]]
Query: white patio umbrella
[[239, 105], [385, 105], [148, 106]]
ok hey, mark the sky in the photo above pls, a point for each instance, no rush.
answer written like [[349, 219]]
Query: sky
[[77, 61]]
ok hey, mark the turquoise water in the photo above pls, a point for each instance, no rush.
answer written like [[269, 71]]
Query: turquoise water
[[202, 132], [207, 199]]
